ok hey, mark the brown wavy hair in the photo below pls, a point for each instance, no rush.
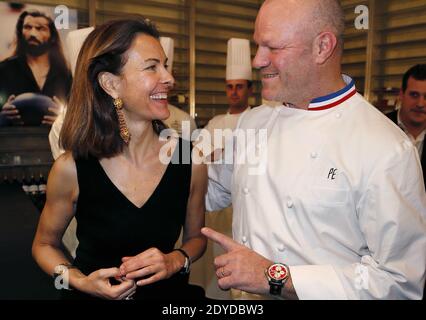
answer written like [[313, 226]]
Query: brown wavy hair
[[91, 125]]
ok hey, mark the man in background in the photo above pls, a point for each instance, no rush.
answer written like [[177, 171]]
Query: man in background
[[38, 66], [238, 85], [411, 116]]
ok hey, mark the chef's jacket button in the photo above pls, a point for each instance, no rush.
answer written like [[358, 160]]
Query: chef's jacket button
[[244, 239], [281, 248], [314, 154], [290, 204], [338, 115], [246, 191]]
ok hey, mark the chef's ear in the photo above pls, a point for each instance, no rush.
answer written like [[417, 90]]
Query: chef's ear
[[111, 83], [324, 45]]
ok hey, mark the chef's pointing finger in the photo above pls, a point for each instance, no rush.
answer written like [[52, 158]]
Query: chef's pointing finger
[[224, 241]]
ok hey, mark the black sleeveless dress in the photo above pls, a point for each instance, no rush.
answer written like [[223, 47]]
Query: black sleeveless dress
[[110, 227]]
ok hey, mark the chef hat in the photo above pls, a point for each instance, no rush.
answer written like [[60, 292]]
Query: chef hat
[[168, 47], [238, 60], [74, 42]]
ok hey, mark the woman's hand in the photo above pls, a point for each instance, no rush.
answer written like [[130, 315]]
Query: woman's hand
[[152, 265], [98, 284]]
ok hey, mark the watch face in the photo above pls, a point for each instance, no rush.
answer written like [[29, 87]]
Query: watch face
[[277, 272]]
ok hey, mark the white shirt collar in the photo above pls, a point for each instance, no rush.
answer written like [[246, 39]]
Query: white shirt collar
[[238, 114], [419, 141]]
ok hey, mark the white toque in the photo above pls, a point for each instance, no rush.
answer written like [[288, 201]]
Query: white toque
[[238, 60]]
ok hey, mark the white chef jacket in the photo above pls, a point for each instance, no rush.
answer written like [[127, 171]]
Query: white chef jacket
[[341, 201], [176, 118], [223, 122]]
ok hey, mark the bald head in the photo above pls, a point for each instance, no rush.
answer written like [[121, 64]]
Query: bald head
[[309, 17], [299, 51]]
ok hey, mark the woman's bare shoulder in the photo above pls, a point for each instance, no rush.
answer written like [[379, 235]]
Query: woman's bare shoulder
[[63, 174], [65, 165]]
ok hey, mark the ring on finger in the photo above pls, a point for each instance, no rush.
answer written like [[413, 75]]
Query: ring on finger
[[222, 272]]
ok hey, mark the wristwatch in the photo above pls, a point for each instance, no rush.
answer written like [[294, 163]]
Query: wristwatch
[[187, 265], [277, 275], [60, 276]]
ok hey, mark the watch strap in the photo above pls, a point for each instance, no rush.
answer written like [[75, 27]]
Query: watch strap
[[275, 288], [186, 267]]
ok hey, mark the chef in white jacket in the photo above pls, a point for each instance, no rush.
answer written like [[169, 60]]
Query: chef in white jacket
[[238, 85], [335, 207]]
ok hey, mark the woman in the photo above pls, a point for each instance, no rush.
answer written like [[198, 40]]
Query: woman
[[129, 203]]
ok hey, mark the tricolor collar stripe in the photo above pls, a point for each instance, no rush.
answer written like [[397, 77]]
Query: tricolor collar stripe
[[349, 84], [336, 98], [336, 103]]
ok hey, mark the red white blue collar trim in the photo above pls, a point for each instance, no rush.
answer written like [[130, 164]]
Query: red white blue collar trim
[[336, 98]]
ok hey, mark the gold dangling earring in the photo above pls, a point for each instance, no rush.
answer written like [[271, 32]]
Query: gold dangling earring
[[124, 131]]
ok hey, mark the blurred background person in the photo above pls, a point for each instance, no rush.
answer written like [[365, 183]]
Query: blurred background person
[[38, 66], [238, 85], [411, 116]]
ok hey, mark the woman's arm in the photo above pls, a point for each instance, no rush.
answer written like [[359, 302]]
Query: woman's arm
[[62, 193]]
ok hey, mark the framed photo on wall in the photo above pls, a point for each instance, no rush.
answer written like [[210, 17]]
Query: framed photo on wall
[[35, 74]]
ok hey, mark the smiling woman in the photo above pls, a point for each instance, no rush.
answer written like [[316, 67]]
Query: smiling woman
[[130, 206], [115, 59]]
